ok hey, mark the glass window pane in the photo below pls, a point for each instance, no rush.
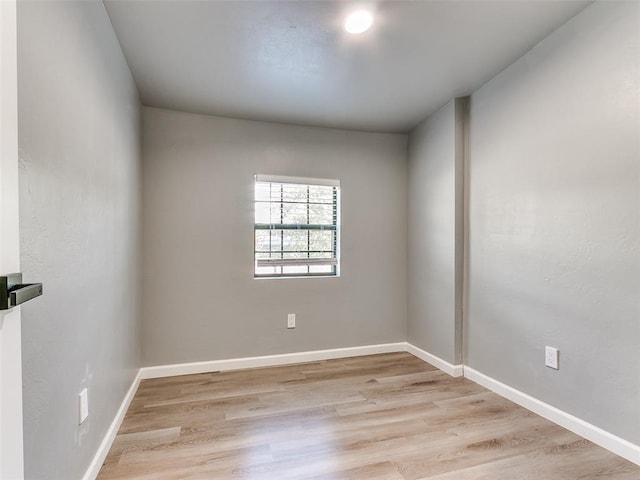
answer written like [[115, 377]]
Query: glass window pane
[[268, 240], [276, 240], [275, 213], [300, 269], [268, 270], [320, 269], [321, 255], [275, 192], [320, 194], [292, 192], [262, 240], [321, 240], [295, 255], [263, 191], [262, 212], [294, 213], [321, 214], [294, 240]]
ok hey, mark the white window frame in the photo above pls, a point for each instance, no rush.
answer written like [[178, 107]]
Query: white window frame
[[334, 261]]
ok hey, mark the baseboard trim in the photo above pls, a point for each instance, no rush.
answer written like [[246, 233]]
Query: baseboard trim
[[98, 459], [597, 435], [453, 370], [268, 360]]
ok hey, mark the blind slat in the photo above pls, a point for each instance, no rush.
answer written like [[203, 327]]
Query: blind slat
[[293, 226], [273, 262], [279, 201]]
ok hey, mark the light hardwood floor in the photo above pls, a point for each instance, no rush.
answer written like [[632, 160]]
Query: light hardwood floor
[[380, 417]]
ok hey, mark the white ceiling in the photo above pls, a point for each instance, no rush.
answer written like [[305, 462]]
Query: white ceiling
[[292, 61]]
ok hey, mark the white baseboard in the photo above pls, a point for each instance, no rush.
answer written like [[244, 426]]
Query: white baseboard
[[267, 360], [105, 446], [595, 434], [453, 370]]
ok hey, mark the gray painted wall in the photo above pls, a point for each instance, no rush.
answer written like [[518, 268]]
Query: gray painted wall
[[555, 220], [200, 299], [79, 216], [436, 232], [554, 215]]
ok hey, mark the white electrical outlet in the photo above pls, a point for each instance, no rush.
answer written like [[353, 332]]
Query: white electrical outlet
[[291, 320], [83, 406], [551, 357]]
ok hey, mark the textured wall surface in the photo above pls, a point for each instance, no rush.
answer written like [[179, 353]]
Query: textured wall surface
[[200, 299], [79, 120], [554, 229], [555, 220], [435, 233]]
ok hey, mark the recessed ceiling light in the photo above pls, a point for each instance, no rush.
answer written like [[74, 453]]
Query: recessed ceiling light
[[358, 22]]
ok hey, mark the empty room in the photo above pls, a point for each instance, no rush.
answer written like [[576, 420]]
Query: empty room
[[319, 240]]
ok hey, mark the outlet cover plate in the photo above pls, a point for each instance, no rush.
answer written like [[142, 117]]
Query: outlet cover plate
[[551, 357], [291, 320]]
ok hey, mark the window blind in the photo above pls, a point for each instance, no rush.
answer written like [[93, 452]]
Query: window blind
[[296, 229]]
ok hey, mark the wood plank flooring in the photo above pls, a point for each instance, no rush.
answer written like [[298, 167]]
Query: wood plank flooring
[[380, 417]]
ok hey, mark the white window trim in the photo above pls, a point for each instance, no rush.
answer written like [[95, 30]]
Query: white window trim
[[327, 182], [309, 261]]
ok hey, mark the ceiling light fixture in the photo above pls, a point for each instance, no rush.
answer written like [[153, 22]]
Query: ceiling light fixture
[[358, 22]]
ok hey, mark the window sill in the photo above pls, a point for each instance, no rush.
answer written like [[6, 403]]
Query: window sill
[[287, 277]]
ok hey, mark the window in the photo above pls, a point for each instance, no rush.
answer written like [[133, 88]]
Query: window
[[296, 227]]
